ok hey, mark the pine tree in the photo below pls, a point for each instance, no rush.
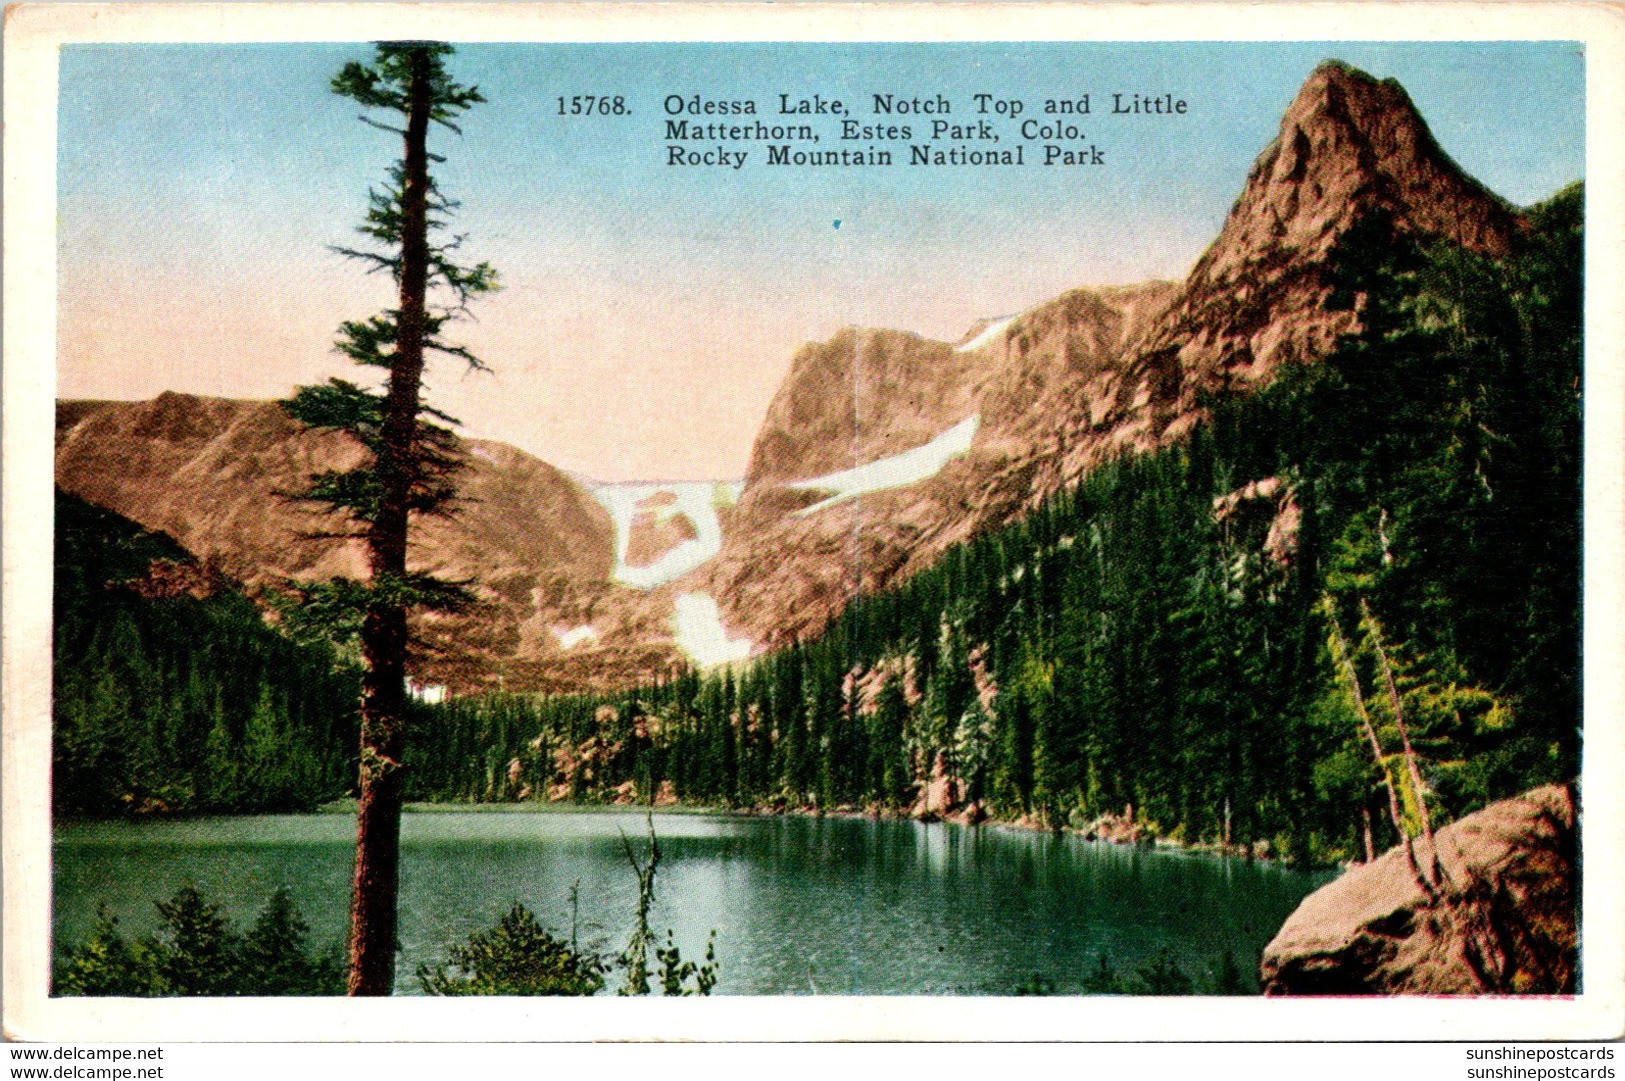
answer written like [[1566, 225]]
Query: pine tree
[[412, 458], [275, 956], [516, 957], [199, 951]]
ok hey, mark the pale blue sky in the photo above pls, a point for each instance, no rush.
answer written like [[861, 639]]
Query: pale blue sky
[[651, 310]]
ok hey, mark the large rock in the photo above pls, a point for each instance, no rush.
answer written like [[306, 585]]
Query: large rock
[[1502, 921]]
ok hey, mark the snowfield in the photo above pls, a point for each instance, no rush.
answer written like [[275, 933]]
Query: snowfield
[[697, 500], [695, 616], [988, 335], [898, 471], [573, 637], [700, 632]]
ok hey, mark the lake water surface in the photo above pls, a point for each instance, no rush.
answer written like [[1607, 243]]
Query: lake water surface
[[800, 905]]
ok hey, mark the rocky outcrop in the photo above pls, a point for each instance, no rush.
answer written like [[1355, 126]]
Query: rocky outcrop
[[1261, 515], [1052, 393], [657, 527], [1059, 375], [1502, 919], [863, 395], [166, 579]]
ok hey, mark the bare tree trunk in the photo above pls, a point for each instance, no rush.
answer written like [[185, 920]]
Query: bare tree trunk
[[1365, 825], [1404, 736], [1346, 664], [383, 631]]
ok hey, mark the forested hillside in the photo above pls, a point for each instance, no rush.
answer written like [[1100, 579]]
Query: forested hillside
[[171, 694], [1163, 642], [1152, 644]]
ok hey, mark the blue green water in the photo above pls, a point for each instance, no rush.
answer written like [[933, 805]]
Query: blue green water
[[800, 905]]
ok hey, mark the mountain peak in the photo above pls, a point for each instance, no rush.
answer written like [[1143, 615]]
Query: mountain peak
[[1350, 144], [1340, 73]]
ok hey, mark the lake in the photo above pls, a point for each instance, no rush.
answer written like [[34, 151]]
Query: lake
[[800, 905]]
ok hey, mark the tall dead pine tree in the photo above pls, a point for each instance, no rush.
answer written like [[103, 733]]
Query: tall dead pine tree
[[411, 459], [1344, 660]]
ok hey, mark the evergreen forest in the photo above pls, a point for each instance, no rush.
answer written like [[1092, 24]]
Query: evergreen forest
[[1186, 641], [171, 693]]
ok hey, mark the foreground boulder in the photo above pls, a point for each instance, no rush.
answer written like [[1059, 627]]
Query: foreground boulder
[[1502, 919]]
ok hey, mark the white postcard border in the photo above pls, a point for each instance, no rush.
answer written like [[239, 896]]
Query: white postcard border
[[32, 37]]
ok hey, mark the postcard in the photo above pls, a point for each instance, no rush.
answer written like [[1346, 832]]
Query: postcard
[[829, 521]]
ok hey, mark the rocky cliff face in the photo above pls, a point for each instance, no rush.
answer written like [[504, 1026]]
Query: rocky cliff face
[[861, 396], [1349, 147], [214, 474], [657, 528], [875, 398], [1503, 921], [1086, 377], [880, 450]]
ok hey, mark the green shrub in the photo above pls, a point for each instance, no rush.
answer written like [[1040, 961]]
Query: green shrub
[[1227, 978], [198, 953], [104, 964], [1104, 980], [516, 957], [676, 972], [1163, 976], [1036, 985]]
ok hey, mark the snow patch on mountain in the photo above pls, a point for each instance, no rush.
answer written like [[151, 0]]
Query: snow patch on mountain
[[700, 632], [897, 471], [574, 636], [987, 336], [696, 500]]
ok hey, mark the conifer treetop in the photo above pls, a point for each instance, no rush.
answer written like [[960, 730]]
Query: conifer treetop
[[384, 83]]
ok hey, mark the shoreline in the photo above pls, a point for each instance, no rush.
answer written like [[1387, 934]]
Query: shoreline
[[1113, 834]]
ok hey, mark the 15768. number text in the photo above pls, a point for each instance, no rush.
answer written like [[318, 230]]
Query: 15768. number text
[[593, 105]]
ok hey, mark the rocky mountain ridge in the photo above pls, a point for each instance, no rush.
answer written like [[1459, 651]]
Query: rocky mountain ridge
[[215, 474], [1088, 376], [880, 450]]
